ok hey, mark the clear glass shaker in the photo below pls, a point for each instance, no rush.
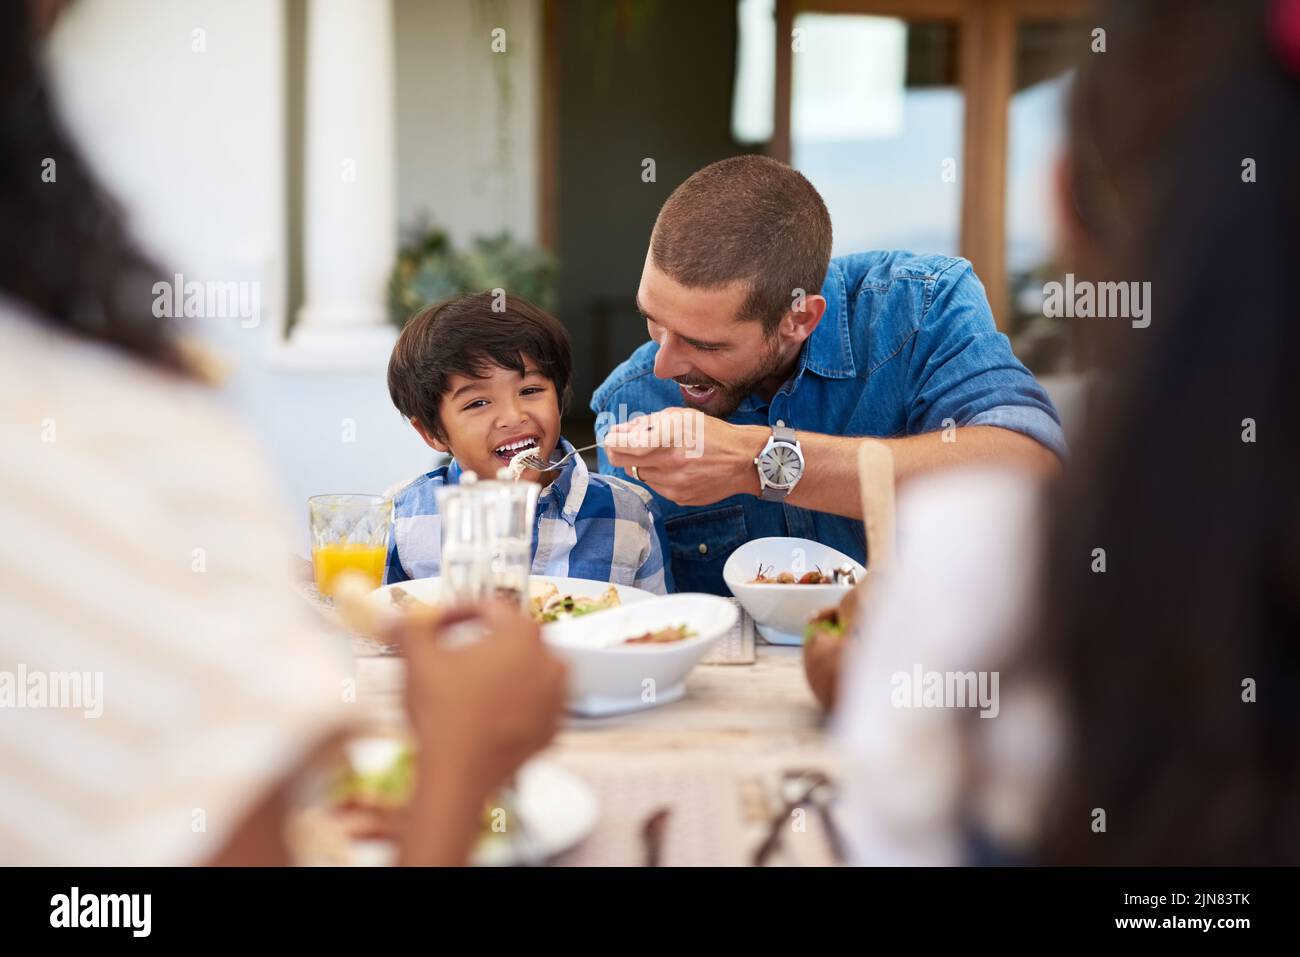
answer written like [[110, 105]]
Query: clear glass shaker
[[466, 572], [510, 509]]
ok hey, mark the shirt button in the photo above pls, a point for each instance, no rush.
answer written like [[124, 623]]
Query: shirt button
[[704, 549]]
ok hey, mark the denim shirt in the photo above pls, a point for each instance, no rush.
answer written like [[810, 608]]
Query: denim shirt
[[907, 345]]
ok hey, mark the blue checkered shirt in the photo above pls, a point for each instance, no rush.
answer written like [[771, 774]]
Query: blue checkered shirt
[[587, 526]]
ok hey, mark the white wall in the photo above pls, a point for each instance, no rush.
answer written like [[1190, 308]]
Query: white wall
[[466, 154], [193, 144]]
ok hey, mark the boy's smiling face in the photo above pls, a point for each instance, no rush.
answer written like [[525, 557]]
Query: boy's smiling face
[[489, 419]]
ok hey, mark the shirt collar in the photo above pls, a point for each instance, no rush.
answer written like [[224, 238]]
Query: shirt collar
[[570, 486], [829, 350]]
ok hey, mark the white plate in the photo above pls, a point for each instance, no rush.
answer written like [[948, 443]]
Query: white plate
[[557, 811], [429, 590], [551, 811], [607, 676], [780, 612]]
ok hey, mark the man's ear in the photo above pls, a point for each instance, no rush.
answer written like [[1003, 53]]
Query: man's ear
[[802, 319], [430, 439]]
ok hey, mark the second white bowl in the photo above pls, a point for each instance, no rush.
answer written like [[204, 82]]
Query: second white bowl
[[780, 612], [607, 676]]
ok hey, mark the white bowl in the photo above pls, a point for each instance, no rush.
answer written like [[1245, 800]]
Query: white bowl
[[780, 612], [607, 676]]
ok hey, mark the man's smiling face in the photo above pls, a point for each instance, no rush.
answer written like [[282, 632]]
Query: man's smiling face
[[715, 358]]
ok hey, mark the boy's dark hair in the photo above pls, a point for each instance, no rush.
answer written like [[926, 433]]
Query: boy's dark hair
[[465, 336], [750, 218]]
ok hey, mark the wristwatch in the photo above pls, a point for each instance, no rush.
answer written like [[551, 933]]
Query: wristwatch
[[780, 464]]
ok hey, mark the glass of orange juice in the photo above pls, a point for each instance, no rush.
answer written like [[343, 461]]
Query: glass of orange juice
[[349, 535]]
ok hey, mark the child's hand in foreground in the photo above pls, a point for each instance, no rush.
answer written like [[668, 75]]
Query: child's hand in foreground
[[490, 704], [478, 711]]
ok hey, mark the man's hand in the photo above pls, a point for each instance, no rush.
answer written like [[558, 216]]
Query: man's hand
[[688, 457]]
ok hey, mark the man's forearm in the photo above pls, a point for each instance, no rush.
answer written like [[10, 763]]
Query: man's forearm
[[721, 461], [830, 481]]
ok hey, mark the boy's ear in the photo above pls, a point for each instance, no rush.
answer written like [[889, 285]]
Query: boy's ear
[[430, 439]]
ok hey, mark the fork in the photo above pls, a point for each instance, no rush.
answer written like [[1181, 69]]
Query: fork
[[538, 464], [818, 790]]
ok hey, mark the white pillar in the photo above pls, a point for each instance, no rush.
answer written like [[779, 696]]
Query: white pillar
[[349, 159]]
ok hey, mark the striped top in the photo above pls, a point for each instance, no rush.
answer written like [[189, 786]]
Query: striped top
[[587, 526], [158, 675]]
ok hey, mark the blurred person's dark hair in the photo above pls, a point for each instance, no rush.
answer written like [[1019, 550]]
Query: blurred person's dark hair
[[750, 219], [467, 336], [65, 251], [1201, 529]]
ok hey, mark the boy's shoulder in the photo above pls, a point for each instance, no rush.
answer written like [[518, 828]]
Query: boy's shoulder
[[418, 496]]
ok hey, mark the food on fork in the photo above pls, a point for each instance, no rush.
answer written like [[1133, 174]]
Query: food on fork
[[515, 451], [519, 462]]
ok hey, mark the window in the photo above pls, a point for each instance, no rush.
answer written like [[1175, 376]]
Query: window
[[876, 125], [981, 84], [1036, 139]]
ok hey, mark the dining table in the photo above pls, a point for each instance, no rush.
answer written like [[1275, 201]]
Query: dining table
[[713, 774], [716, 770], [740, 771]]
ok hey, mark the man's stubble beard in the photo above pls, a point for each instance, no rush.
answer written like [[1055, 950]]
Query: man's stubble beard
[[732, 396]]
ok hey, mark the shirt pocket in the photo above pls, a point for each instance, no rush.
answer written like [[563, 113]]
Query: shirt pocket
[[701, 544]]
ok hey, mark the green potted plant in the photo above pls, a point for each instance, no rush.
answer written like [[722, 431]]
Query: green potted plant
[[430, 269]]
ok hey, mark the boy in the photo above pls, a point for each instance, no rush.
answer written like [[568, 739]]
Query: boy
[[483, 384]]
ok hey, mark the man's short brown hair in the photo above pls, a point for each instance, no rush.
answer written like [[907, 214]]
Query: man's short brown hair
[[747, 218], [468, 336]]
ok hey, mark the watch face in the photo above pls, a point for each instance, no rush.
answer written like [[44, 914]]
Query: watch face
[[781, 465]]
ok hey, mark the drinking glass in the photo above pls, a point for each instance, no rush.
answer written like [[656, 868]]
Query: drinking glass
[[349, 537]]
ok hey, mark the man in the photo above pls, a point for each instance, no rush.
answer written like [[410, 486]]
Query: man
[[791, 355]]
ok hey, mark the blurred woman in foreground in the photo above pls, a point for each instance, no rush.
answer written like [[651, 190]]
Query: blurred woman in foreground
[[1137, 667], [203, 687]]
